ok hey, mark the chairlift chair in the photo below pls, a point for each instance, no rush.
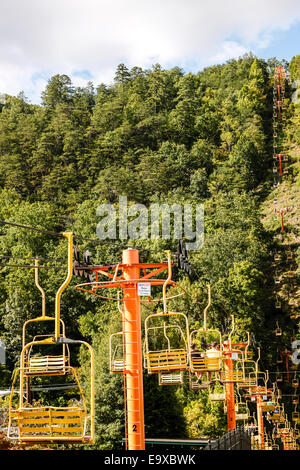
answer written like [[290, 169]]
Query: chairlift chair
[[279, 359], [171, 332], [29, 422], [39, 423], [295, 400], [173, 378], [214, 396], [116, 357], [277, 257], [166, 338], [204, 361], [278, 377], [195, 384], [36, 364], [278, 330], [295, 382]]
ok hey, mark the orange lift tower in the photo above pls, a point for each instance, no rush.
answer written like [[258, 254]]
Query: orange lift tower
[[231, 376], [260, 422], [279, 88], [229, 387], [127, 277], [281, 157], [281, 212]]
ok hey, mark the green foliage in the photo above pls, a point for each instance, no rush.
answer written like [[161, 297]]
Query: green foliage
[[294, 68], [204, 419], [158, 137]]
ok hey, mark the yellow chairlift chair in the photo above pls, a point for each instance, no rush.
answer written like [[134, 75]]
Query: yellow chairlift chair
[[295, 414], [233, 360], [116, 348], [36, 364], [278, 330], [295, 399], [295, 381], [249, 368], [205, 365], [277, 257], [279, 358], [116, 356], [268, 407], [261, 387], [166, 338], [37, 423], [277, 415], [277, 278], [242, 411], [217, 396], [275, 392], [275, 446], [216, 392], [166, 342], [278, 376], [174, 378], [267, 441]]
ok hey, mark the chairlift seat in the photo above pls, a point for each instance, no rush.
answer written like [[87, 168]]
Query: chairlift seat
[[45, 365], [233, 376], [217, 396], [165, 360], [295, 383], [172, 353], [205, 363], [259, 390], [248, 382], [171, 379], [50, 424], [194, 385], [117, 366]]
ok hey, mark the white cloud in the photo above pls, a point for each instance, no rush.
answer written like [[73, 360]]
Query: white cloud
[[62, 36], [228, 50]]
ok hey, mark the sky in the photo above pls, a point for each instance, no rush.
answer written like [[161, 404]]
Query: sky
[[86, 40]]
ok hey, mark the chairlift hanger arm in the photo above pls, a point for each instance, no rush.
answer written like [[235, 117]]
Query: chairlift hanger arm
[[69, 237], [36, 278]]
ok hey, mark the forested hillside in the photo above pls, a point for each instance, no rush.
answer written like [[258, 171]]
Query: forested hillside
[[155, 136]]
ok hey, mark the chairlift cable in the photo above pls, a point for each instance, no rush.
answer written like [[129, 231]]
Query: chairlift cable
[[48, 232], [30, 258], [29, 267]]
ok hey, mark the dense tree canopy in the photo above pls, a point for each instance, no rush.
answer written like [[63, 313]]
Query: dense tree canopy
[[155, 136]]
